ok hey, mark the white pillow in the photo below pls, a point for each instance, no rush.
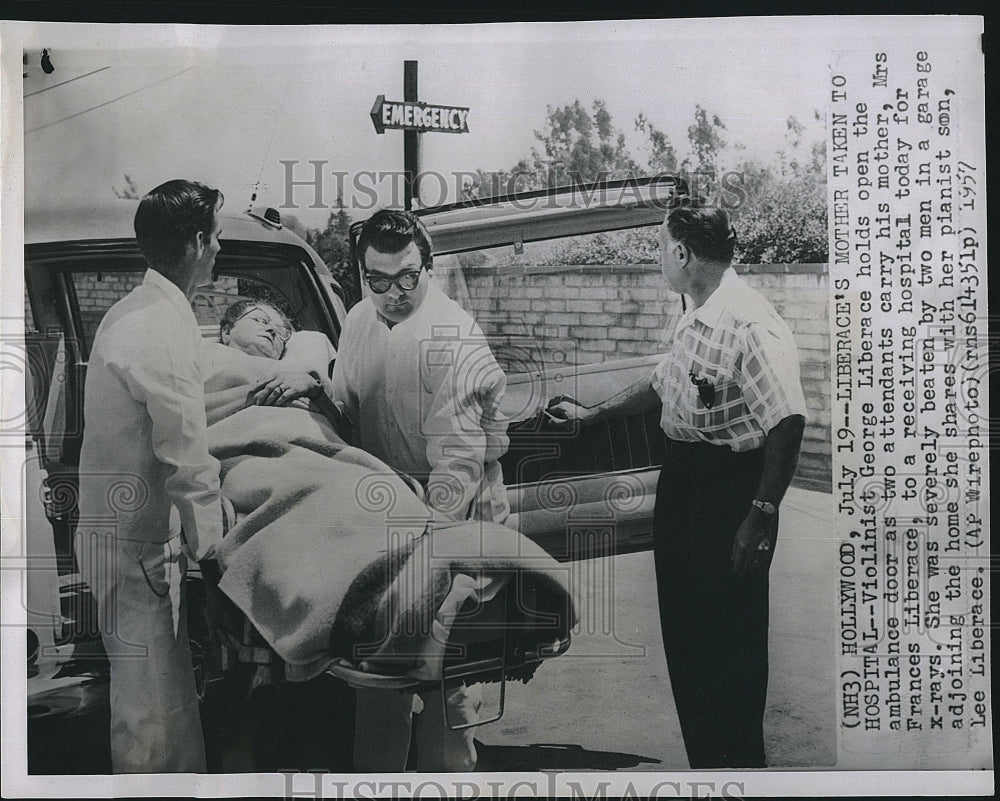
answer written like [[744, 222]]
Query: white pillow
[[310, 350]]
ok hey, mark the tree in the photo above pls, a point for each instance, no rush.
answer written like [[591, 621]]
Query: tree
[[581, 146], [778, 207], [577, 146], [784, 218], [661, 158], [333, 246], [706, 141], [780, 212], [292, 223], [629, 246], [785, 223]]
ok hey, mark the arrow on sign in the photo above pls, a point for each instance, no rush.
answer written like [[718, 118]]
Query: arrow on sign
[[376, 114]]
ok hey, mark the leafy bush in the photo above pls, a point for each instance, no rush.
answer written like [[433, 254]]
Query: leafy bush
[[783, 223], [782, 216], [632, 246]]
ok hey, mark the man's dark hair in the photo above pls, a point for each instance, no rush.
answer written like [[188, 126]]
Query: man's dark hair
[[170, 215], [390, 231], [242, 306], [705, 231]]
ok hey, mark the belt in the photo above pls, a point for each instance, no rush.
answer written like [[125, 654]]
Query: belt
[[708, 450]]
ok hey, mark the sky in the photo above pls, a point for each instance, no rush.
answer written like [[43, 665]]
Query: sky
[[227, 105]]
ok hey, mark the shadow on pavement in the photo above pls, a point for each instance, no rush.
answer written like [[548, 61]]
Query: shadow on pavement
[[554, 756], [307, 726], [288, 726], [69, 745]]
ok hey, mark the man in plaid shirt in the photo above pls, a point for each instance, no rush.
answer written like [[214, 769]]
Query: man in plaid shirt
[[733, 413]]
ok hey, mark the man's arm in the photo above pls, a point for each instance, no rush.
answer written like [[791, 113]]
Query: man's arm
[[635, 399], [323, 400], [343, 392], [781, 455], [222, 403], [460, 428], [773, 393], [492, 502]]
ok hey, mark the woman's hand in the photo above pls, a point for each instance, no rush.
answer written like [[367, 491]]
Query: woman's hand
[[285, 387]]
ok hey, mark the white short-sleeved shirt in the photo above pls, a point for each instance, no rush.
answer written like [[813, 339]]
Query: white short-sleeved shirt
[[738, 344]]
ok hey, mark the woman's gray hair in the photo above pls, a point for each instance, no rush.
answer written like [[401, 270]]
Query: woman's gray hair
[[239, 308]]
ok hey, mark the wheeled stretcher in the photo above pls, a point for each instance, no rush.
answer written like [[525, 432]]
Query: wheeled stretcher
[[507, 637]]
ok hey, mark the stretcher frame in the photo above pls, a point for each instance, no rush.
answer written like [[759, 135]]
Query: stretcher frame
[[251, 648]]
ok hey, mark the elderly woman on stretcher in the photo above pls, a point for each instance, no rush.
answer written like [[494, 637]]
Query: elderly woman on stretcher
[[333, 555]]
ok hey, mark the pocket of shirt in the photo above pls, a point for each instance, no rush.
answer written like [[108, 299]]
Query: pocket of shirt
[[726, 391]]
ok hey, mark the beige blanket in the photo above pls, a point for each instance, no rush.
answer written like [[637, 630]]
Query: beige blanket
[[333, 555]]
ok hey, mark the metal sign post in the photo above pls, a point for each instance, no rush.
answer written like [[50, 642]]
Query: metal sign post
[[411, 141]]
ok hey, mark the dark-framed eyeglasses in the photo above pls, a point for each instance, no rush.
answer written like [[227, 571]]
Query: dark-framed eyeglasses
[[380, 284], [265, 320], [706, 390]]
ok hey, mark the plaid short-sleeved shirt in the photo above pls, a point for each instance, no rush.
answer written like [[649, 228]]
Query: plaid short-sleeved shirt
[[736, 344]]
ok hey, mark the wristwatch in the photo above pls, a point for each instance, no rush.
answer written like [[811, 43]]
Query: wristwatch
[[766, 507]]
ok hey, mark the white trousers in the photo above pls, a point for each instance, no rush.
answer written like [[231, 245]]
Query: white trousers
[[139, 589], [382, 730]]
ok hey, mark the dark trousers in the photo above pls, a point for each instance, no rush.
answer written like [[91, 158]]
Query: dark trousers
[[714, 623]]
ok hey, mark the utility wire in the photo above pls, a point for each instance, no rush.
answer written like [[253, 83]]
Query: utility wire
[[108, 102], [267, 150], [63, 83]]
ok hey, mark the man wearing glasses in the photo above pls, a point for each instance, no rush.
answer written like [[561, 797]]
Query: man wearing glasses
[[733, 412], [416, 377]]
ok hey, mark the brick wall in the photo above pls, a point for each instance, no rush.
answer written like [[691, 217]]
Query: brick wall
[[97, 292], [597, 313]]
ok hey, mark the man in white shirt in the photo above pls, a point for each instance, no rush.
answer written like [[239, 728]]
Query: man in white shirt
[[145, 450], [733, 413], [416, 377]]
